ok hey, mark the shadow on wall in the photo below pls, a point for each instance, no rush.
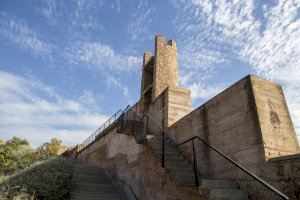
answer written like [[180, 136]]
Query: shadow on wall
[[49, 179]]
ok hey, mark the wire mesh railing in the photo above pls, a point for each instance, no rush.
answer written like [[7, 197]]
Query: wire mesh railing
[[211, 163], [110, 122], [208, 162]]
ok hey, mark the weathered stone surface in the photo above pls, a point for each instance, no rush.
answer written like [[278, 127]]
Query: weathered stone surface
[[284, 172], [248, 121], [276, 126], [165, 66]]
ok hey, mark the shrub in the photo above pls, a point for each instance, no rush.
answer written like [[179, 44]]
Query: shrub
[[49, 179]]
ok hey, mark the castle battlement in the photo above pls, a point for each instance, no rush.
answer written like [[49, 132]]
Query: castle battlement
[[249, 122]]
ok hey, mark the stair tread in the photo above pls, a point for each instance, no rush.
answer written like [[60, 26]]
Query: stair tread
[[90, 182], [228, 194], [218, 184]]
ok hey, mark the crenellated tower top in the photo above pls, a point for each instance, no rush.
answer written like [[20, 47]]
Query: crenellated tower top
[[159, 71]]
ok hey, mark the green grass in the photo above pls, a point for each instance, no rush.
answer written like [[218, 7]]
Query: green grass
[[49, 179]]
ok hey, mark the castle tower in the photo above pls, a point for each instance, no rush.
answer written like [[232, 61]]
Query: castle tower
[[165, 66], [159, 71], [160, 83]]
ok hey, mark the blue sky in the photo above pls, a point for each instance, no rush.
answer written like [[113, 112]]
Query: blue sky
[[67, 66]]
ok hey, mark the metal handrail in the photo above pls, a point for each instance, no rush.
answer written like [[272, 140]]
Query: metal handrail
[[270, 187], [163, 140], [102, 128], [261, 182]]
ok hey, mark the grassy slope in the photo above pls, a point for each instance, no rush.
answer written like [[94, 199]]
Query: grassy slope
[[44, 180]]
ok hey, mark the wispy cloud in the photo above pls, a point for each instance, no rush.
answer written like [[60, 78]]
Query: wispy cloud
[[113, 82], [81, 15], [100, 56], [206, 30], [269, 43], [32, 110], [18, 33], [204, 92], [141, 18]]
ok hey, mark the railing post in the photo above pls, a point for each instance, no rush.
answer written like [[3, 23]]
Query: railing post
[[163, 151], [195, 165], [146, 128]]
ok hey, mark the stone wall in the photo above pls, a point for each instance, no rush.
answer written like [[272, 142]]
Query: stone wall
[[248, 121], [286, 174], [170, 106], [137, 166], [178, 104], [165, 66], [158, 109], [232, 121], [276, 126], [228, 122], [147, 77]]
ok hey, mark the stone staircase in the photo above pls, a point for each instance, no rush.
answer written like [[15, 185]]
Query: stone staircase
[[179, 168], [94, 183], [222, 189], [182, 173]]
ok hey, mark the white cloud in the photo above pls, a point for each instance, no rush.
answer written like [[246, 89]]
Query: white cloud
[[113, 82], [18, 33], [141, 18], [101, 56], [32, 110], [270, 43], [81, 15], [204, 92]]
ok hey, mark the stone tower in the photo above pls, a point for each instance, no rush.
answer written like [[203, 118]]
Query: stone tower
[[159, 71], [160, 84], [165, 66]]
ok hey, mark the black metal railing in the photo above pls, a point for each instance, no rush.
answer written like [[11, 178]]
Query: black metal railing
[[124, 117], [110, 122], [211, 163]]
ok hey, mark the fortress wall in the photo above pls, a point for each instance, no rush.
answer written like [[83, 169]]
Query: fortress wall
[[229, 122], [284, 173], [170, 106], [136, 165], [249, 121], [158, 109], [179, 104], [274, 119]]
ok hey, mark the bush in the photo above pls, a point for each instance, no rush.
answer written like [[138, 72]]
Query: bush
[[16, 154], [49, 179]]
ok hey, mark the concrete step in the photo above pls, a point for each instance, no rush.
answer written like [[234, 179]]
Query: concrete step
[[93, 183], [228, 194], [177, 163], [185, 181], [95, 187], [172, 158], [168, 150], [158, 141], [206, 184], [172, 166], [88, 196]]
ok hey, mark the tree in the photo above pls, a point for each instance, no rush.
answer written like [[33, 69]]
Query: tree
[[15, 141], [53, 147], [15, 154]]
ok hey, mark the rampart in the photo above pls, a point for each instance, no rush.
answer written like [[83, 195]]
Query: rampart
[[249, 121]]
